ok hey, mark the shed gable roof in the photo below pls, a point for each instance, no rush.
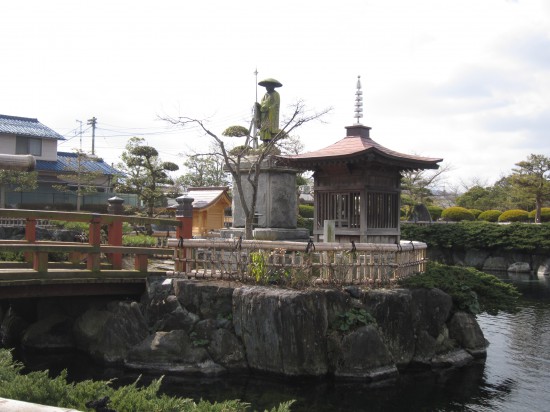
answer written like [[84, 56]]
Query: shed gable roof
[[26, 126], [204, 197]]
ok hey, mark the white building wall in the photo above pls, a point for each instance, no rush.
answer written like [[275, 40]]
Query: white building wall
[[49, 147], [7, 144], [49, 150]]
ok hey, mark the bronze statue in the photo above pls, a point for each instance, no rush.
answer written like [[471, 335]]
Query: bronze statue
[[268, 110]]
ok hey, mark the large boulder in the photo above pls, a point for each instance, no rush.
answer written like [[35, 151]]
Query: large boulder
[[362, 354], [392, 311], [220, 341], [12, 328], [53, 332], [520, 267], [171, 352], [109, 333], [475, 258], [283, 331], [495, 263], [430, 310], [206, 299], [465, 330]]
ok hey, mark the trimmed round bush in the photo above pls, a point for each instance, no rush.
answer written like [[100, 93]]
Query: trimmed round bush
[[544, 214], [457, 214], [489, 215], [476, 212], [514, 215], [435, 212]]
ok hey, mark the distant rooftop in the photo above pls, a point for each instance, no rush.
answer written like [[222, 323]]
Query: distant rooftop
[[68, 163], [26, 126], [206, 196]]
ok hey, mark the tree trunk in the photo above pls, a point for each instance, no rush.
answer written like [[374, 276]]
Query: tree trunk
[[248, 227]]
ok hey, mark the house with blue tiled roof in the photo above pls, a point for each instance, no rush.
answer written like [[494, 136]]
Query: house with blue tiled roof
[[27, 136]]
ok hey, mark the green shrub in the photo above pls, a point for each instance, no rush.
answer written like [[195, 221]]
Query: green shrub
[[489, 215], [139, 240], [514, 215], [457, 214], [435, 212], [475, 212], [472, 291], [38, 387], [353, 319], [305, 211], [12, 257], [76, 226], [517, 237], [544, 214], [305, 223]]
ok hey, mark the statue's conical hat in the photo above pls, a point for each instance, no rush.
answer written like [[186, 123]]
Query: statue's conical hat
[[273, 82]]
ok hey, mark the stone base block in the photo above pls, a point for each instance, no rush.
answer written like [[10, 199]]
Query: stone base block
[[296, 235]]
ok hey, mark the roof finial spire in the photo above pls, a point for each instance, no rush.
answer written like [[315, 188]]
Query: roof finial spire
[[358, 102]]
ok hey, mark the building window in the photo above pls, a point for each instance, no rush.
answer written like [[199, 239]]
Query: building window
[[28, 145]]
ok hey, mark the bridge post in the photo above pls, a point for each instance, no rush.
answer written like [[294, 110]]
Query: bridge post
[[115, 230], [184, 213], [94, 240], [30, 237]]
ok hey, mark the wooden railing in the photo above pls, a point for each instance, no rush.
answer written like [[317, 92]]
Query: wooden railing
[[36, 251], [288, 262]]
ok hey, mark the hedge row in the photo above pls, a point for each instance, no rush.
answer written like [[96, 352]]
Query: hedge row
[[459, 214], [482, 235]]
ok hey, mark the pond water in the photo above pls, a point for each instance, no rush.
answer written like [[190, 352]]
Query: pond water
[[514, 377]]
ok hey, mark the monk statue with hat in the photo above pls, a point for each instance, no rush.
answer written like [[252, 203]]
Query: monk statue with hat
[[268, 110]]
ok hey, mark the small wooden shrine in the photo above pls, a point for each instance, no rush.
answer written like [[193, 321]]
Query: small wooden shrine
[[357, 185], [209, 204]]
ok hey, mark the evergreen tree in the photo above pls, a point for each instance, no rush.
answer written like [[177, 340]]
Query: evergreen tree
[[145, 173]]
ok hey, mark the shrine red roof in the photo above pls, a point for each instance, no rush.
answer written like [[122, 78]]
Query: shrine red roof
[[357, 146]]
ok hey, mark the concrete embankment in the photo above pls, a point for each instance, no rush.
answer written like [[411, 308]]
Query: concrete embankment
[[9, 405]]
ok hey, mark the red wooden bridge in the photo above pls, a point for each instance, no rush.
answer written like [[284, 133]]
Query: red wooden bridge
[[93, 268]]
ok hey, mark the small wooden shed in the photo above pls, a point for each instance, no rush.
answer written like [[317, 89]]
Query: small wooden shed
[[209, 206], [357, 185]]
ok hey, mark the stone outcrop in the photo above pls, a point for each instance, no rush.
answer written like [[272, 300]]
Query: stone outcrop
[[109, 333], [209, 327], [492, 260]]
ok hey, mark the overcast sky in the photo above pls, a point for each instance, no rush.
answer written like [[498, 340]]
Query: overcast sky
[[463, 80]]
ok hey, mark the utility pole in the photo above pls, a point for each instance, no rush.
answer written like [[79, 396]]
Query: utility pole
[[93, 122], [80, 133], [255, 115]]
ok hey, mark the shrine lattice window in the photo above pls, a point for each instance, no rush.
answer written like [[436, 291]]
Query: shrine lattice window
[[382, 210], [343, 208]]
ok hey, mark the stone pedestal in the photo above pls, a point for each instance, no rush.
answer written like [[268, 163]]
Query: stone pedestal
[[276, 204]]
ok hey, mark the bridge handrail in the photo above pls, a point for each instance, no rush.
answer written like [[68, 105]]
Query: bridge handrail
[[84, 217], [36, 252]]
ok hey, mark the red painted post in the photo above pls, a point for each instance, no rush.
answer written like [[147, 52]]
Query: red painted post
[[141, 263], [184, 213], [40, 262], [115, 231], [30, 237], [94, 237]]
